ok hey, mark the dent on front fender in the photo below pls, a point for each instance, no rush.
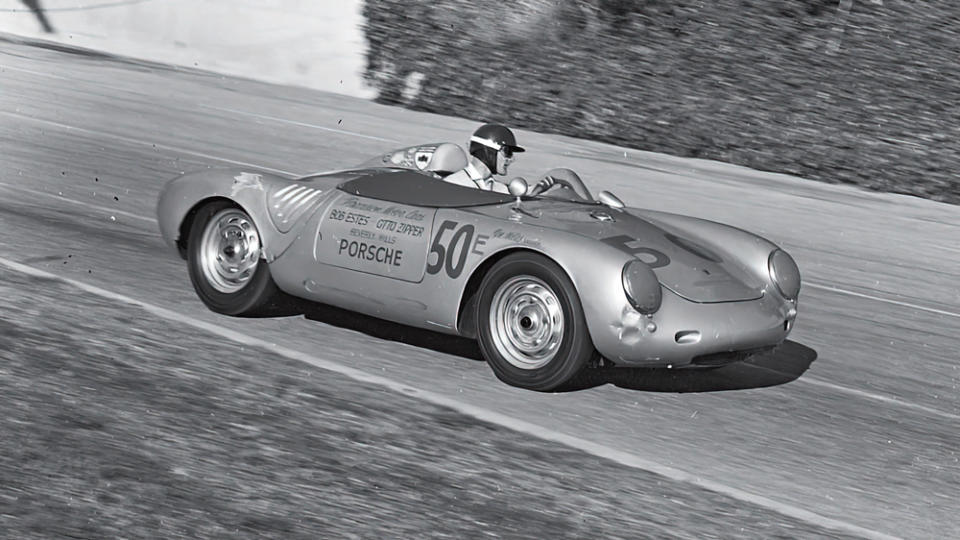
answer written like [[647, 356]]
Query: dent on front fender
[[184, 194], [682, 330]]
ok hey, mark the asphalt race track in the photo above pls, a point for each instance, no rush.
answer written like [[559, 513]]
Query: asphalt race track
[[131, 410]]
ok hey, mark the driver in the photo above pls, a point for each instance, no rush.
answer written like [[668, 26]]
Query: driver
[[492, 147]]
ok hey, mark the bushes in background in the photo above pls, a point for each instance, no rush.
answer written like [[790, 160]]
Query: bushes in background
[[856, 91]]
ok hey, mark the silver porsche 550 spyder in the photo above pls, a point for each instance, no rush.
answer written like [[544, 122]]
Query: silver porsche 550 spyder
[[549, 285]]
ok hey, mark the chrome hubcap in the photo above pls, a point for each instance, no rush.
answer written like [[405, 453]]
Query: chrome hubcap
[[229, 250], [526, 321]]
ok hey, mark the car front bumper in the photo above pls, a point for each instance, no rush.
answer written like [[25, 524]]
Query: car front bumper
[[682, 331]]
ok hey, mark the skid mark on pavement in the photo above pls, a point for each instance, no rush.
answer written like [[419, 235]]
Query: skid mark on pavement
[[144, 143], [881, 299], [103, 209], [879, 397], [520, 426], [297, 123], [32, 72]]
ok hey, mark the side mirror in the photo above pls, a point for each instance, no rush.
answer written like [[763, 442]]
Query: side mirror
[[518, 187], [610, 200]]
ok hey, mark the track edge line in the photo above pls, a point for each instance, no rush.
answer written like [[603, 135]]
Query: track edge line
[[521, 426]]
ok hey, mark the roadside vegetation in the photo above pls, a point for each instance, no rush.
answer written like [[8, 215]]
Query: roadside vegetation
[[844, 91]]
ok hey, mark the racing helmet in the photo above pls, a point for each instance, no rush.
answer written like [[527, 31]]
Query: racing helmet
[[494, 145]]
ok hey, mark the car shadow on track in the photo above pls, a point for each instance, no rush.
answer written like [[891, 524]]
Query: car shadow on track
[[381, 329], [782, 365]]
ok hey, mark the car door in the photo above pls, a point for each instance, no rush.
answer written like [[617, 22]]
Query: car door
[[375, 237]]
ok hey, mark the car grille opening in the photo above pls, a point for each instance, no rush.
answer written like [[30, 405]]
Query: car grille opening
[[727, 357]]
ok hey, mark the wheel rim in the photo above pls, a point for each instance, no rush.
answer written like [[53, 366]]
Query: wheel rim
[[229, 250], [526, 320]]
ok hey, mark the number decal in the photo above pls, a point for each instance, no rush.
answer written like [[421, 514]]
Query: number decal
[[465, 234], [621, 242], [438, 249], [461, 240]]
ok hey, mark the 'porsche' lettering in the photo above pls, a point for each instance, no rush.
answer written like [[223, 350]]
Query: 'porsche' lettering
[[370, 252]]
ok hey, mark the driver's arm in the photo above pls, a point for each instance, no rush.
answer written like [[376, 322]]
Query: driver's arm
[[544, 184]]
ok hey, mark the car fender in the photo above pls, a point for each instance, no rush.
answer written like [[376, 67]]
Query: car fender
[[745, 249], [275, 204], [596, 278]]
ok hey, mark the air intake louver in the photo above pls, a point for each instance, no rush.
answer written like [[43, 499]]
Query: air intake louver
[[290, 203]]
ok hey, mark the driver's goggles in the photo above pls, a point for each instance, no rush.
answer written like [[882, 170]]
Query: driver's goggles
[[507, 152]]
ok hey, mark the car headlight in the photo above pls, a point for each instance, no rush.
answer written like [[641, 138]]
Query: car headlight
[[784, 273], [642, 287]]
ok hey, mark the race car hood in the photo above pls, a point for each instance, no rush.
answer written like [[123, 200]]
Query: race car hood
[[689, 265]]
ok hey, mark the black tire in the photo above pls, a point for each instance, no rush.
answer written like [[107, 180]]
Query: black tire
[[500, 292], [258, 296]]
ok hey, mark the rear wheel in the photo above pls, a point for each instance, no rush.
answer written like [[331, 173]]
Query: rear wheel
[[225, 265], [531, 326]]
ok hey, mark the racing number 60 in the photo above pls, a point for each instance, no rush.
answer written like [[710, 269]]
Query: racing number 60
[[461, 238]]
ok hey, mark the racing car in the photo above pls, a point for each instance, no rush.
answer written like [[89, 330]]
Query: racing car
[[550, 285]]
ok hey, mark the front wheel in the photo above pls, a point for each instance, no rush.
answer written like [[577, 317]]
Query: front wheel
[[223, 258], [531, 326]]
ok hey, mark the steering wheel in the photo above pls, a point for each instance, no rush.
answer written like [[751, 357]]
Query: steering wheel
[[563, 177]]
